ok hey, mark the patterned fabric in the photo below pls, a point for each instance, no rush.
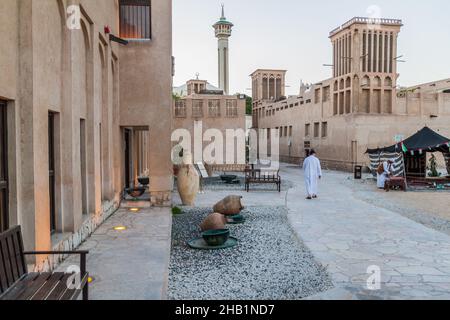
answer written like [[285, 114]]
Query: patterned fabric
[[380, 157], [447, 161]]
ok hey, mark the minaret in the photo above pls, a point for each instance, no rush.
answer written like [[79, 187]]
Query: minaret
[[223, 32]]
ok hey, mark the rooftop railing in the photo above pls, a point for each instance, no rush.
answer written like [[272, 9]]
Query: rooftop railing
[[370, 21]]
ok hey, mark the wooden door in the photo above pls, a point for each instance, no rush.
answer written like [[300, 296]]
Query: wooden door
[[4, 194], [51, 170]]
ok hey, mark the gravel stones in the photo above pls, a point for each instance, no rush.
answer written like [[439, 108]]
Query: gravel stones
[[268, 263]]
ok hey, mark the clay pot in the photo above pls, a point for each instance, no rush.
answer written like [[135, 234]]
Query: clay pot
[[229, 206], [215, 221], [188, 181]]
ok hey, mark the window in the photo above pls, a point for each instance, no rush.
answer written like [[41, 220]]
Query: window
[[83, 167], [326, 94], [285, 131], [214, 108], [281, 131], [197, 108], [316, 129], [307, 130], [317, 96], [135, 19], [180, 109], [290, 131], [232, 111], [324, 129], [4, 195]]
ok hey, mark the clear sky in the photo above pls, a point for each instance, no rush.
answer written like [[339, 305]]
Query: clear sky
[[293, 35]]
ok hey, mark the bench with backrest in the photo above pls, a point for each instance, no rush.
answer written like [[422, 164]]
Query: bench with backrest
[[16, 283], [257, 176]]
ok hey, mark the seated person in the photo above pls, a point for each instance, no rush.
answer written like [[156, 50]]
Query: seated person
[[384, 172]]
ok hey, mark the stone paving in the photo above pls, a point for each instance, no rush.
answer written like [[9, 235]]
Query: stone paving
[[130, 264], [349, 235], [345, 233]]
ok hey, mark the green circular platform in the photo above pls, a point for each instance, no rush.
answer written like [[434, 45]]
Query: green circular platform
[[235, 222], [200, 244]]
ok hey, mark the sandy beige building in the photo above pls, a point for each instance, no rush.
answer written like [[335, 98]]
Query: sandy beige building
[[214, 120], [360, 107], [202, 111], [79, 109]]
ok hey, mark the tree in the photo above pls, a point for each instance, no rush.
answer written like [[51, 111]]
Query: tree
[[249, 105], [176, 97]]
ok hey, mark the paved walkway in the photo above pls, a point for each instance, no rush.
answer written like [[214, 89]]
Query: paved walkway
[[346, 234], [130, 264], [349, 235]]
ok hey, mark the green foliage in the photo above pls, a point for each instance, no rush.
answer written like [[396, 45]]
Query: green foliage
[[176, 211], [249, 106], [176, 97]]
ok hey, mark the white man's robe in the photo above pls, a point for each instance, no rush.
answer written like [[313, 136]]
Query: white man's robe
[[382, 178], [313, 171]]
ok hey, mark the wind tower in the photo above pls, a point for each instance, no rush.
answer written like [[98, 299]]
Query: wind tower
[[223, 29]]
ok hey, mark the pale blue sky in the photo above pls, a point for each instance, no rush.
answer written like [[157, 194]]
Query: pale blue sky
[[293, 35]]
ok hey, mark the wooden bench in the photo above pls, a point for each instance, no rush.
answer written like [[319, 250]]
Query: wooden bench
[[17, 284], [262, 177]]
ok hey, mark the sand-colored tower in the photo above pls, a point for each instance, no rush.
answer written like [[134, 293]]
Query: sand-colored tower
[[365, 65], [223, 30]]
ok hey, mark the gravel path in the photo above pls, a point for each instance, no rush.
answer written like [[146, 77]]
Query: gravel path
[[268, 263]]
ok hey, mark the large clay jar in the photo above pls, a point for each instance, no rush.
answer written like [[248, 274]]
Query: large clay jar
[[188, 181], [229, 206], [215, 221]]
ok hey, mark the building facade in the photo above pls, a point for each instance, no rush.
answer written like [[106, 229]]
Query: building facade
[[80, 108], [213, 120], [360, 107], [211, 110]]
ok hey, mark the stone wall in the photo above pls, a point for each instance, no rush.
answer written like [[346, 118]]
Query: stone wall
[[74, 240]]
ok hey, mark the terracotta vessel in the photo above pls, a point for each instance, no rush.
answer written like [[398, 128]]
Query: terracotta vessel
[[188, 181], [229, 206], [214, 221]]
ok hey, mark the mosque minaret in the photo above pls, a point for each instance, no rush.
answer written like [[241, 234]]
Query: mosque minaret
[[223, 30]]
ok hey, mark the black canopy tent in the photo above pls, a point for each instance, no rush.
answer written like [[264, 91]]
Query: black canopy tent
[[414, 151]]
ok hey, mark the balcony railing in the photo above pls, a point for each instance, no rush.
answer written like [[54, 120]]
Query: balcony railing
[[214, 108], [197, 109], [180, 109], [369, 21], [232, 110]]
